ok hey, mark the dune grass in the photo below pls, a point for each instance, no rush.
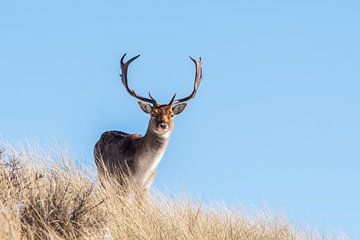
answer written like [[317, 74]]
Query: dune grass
[[48, 196]]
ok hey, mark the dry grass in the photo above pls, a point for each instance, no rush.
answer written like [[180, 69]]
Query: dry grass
[[45, 196]]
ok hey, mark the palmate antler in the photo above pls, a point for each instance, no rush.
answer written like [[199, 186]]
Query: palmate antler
[[124, 80], [198, 78]]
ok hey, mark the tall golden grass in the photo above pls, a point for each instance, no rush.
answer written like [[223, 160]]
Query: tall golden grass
[[47, 196]]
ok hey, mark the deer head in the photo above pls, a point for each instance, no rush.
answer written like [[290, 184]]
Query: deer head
[[161, 120]]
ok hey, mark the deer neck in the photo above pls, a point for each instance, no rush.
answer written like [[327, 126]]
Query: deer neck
[[153, 148], [154, 144]]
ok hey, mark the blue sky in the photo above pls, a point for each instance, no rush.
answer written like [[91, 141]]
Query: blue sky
[[276, 119]]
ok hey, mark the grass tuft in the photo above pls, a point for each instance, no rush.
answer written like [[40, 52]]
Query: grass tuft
[[47, 196]]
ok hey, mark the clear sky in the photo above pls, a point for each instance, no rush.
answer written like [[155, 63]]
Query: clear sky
[[276, 119]]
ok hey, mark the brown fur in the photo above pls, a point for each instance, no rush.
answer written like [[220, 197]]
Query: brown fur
[[134, 157]]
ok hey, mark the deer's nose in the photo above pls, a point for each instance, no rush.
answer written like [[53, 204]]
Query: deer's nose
[[163, 125]]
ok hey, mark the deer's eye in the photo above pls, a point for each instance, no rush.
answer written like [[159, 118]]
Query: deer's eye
[[171, 115]]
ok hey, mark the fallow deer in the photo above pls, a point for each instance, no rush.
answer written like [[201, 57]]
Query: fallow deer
[[132, 157]]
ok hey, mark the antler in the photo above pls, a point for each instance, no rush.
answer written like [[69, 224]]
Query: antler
[[124, 80], [198, 78]]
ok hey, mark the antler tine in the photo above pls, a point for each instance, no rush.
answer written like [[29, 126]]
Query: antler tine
[[124, 80], [172, 100], [198, 78], [152, 99]]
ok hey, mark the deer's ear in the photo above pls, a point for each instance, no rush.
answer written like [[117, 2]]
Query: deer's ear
[[179, 108], [146, 107]]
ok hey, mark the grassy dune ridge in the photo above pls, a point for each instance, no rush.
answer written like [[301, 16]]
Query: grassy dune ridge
[[45, 195]]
